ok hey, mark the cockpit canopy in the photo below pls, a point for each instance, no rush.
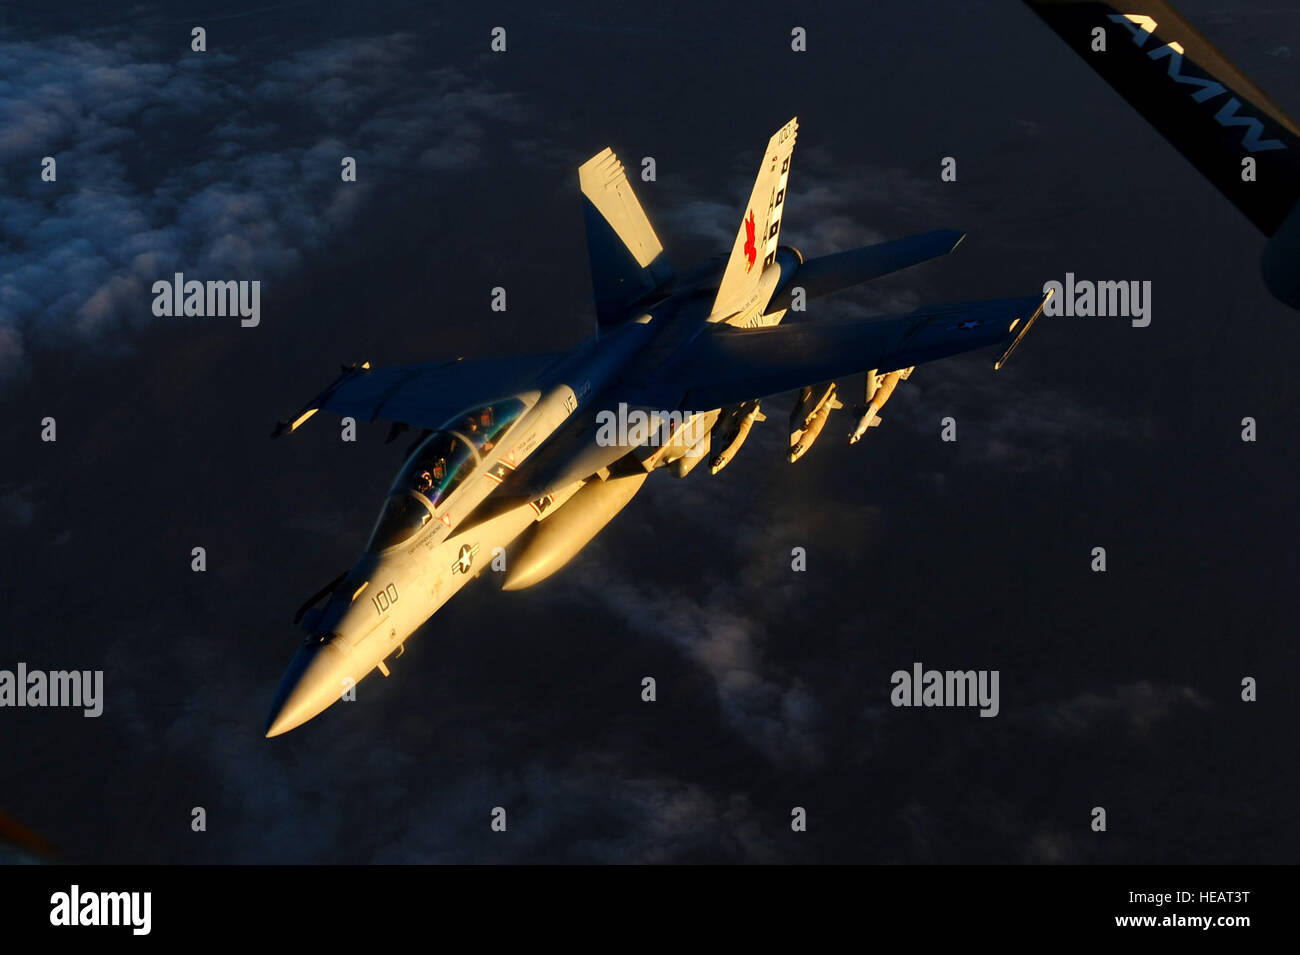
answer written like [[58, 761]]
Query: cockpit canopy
[[439, 465], [485, 426]]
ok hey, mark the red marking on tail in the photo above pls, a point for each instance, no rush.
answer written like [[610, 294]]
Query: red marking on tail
[[751, 250]]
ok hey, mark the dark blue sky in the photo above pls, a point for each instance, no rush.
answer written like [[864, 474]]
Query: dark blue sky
[[1119, 690]]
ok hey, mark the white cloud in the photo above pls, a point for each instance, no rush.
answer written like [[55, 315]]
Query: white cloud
[[225, 170]]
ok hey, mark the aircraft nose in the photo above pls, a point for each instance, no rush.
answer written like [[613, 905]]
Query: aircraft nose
[[313, 681]]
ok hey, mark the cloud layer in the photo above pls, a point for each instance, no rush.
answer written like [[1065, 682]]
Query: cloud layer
[[250, 183]]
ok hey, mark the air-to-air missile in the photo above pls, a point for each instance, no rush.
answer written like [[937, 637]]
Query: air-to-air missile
[[815, 404], [879, 389], [733, 428]]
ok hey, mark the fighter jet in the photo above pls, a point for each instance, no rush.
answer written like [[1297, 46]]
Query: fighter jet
[[1211, 112], [522, 460]]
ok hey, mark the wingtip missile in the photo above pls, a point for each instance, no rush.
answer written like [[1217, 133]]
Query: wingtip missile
[[346, 373], [288, 427], [1024, 330]]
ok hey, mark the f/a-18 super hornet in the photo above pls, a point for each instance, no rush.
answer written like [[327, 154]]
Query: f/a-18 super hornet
[[523, 459], [1212, 112]]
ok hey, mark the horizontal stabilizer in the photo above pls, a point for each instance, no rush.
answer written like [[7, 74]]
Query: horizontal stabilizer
[[841, 270]]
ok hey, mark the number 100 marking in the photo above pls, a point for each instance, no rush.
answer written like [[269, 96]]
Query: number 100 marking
[[385, 598]]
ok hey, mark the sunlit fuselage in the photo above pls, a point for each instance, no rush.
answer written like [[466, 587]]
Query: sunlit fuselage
[[533, 468]]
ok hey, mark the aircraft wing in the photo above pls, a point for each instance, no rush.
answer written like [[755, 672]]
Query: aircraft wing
[[426, 395], [724, 365]]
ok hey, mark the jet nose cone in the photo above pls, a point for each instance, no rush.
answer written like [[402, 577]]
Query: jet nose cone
[[313, 681]]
